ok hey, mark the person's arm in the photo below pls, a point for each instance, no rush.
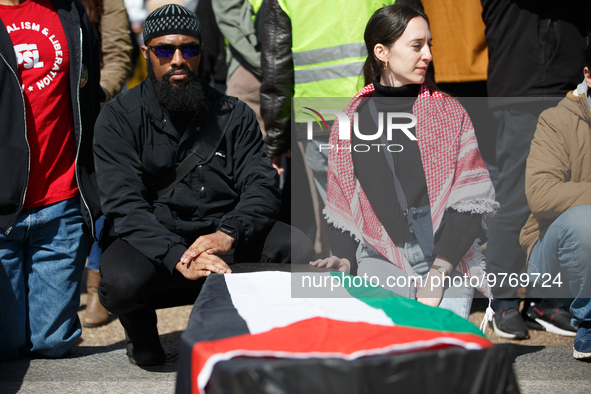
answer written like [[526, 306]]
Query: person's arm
[[116, 47], [431, 291], [124, 195], [457, 233], [232, 17], [278, 79], [548, 186], [344, 248]]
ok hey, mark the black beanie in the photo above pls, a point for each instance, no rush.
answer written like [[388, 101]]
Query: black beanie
[[171, 19]]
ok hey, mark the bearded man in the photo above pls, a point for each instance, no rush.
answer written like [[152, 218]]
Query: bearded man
[[184, 183]]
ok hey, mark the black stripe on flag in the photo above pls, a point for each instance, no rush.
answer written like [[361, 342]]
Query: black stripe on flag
[[213, 317]]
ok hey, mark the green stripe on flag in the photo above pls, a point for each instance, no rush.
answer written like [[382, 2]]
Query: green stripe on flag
[[407, 312]]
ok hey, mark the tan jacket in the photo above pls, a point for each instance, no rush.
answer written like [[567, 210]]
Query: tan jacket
[[558, 172], [115, 40]]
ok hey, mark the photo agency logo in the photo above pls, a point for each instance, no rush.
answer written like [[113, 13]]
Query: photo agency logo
[[388, 122]]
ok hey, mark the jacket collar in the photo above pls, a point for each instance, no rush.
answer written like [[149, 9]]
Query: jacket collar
[[577, 104], [67, 11]]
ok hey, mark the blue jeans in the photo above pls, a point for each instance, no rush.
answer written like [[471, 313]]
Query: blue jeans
[[95, 251], [42, 259], [457, 299], [565, 248]]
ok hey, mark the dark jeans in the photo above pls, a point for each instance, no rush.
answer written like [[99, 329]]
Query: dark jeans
[[504, 253], [133, 287]]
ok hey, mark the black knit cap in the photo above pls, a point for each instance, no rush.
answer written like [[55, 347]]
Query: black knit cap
[[171, 19]]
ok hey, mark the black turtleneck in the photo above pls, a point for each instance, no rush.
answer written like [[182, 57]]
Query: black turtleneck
[[457, 231]]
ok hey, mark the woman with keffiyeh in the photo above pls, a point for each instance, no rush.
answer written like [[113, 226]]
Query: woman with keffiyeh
[[439, 172]]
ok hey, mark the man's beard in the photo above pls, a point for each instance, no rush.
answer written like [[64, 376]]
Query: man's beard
[[189, 98]]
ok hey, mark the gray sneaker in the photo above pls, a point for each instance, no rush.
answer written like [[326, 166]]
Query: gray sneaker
[[508, 323]]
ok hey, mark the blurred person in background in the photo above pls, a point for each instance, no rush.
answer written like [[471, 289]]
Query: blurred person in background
[[111, 23], [137, 11], [213, 57], [461, 59], [239, 22]]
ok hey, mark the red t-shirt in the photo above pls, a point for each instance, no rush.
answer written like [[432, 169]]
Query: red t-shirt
[[44, 71]]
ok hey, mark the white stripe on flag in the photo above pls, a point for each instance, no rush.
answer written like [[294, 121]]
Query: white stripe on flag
[[263, 300]]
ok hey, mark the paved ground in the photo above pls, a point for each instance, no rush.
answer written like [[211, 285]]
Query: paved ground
[[98, 364]]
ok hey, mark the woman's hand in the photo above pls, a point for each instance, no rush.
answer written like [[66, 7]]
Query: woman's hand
[[432, 290], [430, 294], [341, 265]]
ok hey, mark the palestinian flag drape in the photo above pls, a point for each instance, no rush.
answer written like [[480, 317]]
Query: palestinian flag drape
[[254, 315]]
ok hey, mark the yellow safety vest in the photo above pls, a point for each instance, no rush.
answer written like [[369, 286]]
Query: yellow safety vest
[[256, 5], [327, 45]]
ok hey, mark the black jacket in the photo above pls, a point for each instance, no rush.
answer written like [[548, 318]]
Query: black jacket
[[535, 48], [14, 149], [277, 87], [137, 150]]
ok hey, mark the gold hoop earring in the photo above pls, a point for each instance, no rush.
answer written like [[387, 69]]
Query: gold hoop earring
[[385, 65]]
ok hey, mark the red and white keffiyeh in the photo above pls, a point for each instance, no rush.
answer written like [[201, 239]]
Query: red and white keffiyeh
[[455, 172]]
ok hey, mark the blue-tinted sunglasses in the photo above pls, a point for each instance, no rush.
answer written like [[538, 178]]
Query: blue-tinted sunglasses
[[164, 51]]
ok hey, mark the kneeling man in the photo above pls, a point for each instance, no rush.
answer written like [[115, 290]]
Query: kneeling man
[[184, 183], [557, 236]]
